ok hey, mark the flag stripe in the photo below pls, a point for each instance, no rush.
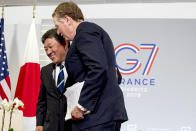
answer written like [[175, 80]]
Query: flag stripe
[[6, 88], [7, 79], [3, 95]]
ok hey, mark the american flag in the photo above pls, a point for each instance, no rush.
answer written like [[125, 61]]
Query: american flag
[[5, 86]]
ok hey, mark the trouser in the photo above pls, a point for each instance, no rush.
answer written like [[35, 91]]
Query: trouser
[[109, 126]]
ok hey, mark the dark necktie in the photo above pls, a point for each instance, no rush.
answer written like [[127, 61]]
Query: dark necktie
[[60, 80]]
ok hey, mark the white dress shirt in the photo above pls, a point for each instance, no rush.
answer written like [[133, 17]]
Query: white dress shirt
[[56, 73]]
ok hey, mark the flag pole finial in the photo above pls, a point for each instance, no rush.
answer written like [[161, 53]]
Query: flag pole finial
[[2, 13], [34, 9]]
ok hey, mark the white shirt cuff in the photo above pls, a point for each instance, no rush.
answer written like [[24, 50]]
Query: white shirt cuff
[[81, 108]]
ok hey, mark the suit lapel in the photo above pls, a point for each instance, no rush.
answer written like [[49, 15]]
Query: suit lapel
[[51, 80], [70, 50], [49, 72]]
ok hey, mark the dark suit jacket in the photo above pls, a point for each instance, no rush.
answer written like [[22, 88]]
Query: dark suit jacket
[[51, 106], [91, 58]]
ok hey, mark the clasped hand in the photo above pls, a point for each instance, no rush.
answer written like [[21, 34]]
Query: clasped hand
[[77, 114]]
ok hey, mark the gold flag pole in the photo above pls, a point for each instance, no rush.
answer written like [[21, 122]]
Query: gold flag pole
[[2, 13], [34, 9]]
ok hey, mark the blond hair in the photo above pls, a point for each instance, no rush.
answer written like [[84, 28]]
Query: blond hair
[[70, 9]]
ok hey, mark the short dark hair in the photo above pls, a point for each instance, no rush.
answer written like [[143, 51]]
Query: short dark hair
[[52, 33]]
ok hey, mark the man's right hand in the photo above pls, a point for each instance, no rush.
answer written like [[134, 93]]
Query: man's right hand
[[77, 114], [39, 128]]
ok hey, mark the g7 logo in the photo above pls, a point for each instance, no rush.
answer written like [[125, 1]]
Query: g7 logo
[[135, 62]]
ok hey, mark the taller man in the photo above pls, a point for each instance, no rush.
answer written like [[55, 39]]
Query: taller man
[[91, 59]]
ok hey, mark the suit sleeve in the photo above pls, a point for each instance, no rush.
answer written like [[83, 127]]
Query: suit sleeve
[[41, 104], [93, 56]]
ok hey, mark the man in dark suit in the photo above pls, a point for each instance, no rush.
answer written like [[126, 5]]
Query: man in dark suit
[[51, 106], [91, 59]]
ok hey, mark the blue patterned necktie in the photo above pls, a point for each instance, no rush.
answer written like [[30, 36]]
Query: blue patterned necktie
[[60, 80]]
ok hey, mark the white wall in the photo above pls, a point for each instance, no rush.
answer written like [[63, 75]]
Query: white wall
[[146, 10], [18, 19]]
